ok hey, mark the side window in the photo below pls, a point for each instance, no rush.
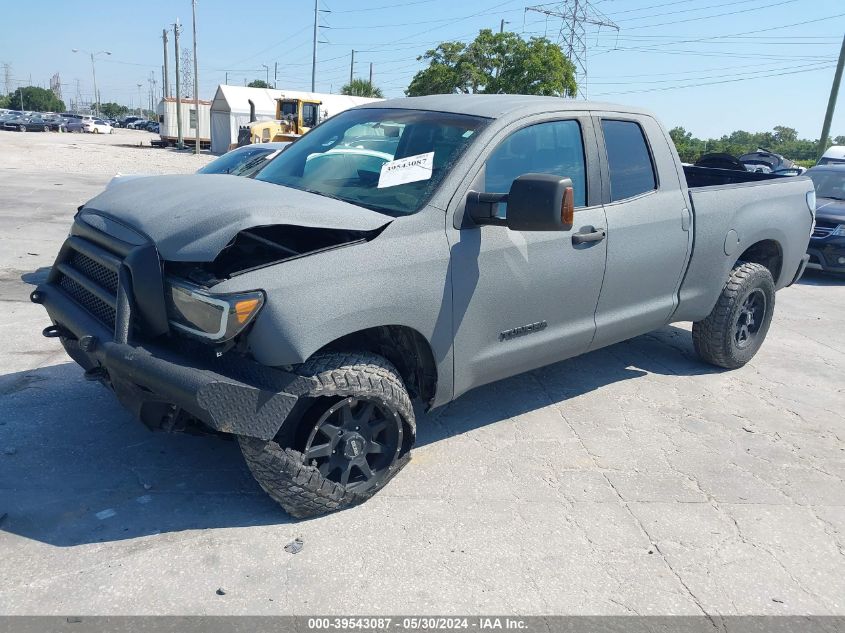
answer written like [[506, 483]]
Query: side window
[[545, 148], [628, 159], [309, 115]]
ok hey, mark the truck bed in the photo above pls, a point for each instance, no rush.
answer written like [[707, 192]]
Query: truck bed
[[731, 211], [708, 176]]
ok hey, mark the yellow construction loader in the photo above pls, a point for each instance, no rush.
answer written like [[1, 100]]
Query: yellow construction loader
[[294, 117]]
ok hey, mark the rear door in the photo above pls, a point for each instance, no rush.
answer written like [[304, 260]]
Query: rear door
[[523, 299], [648, 228]]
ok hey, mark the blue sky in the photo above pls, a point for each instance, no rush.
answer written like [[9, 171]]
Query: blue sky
[[712, 66]]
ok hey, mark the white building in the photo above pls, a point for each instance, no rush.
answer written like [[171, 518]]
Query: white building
[[230, 109]]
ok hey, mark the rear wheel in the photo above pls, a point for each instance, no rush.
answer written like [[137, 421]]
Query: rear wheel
[[96, 130], [737, 326], [351, 435], [46, 128], [22, 128]]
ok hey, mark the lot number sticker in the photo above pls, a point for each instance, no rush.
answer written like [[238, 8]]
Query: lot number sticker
[[405, 170]]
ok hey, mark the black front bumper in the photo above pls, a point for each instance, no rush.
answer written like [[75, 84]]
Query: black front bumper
[[162, 378], [825, 254]]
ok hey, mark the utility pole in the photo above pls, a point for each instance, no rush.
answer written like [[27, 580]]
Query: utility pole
[[266, 74], [226, 81], [831, 101], [371, 74], [140, 107], [574, 16], [351, 66], [502, 25], [165, 72], [314, 48], [275, 75], [196, 78], [180, 141]]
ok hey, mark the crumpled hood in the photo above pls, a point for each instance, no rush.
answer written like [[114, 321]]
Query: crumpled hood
[[192, 218]]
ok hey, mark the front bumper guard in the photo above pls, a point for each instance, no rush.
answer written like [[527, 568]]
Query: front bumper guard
[[235, 395]]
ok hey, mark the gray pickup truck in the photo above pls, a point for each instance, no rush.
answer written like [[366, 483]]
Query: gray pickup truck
[[410, 250]]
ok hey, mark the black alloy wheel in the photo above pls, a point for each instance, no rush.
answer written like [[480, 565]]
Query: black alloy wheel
[[355, 443], [750, 319]]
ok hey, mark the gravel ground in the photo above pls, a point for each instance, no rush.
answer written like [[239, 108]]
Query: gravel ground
[[632, 480], [125, 151]]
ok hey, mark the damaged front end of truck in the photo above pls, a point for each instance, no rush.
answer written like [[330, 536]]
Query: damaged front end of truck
[[141, 316]]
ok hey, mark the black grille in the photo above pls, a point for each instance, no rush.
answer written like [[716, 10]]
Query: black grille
[[93, 304], [87, 272], [96, 272]]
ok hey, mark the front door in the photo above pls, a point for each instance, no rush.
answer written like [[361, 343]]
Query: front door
[[524, 299]]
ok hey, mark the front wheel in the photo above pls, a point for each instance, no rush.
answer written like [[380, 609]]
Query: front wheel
[[96, 131], [22, 128], [351, 436], [736, 327]]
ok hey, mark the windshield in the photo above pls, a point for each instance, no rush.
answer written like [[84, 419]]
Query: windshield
[[829, 183], [238, 161], [384, 159]]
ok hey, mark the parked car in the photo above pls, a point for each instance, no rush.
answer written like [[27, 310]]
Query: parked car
[[124, 122], [29, 124], [764, 161], [302, 313], [243, 161], [75, 125], [827, 244], [137, 124], [834, 155], [98, 126]]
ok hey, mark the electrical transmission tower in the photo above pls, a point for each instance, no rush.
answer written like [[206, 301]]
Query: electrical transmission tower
[[575, 16], [7, 77], [56, 86]]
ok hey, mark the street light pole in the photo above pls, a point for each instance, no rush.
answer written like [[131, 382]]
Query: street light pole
[[266, 74], [94, 75]]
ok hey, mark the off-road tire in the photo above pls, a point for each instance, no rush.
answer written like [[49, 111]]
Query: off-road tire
[[282, 471], [714, 337]]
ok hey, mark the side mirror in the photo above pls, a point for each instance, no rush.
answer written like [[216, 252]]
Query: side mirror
[[536, 202]]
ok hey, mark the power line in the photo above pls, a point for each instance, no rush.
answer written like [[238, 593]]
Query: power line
[[723, 81], [716, 15]]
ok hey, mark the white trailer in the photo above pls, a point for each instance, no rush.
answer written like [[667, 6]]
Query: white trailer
[[193, 110]]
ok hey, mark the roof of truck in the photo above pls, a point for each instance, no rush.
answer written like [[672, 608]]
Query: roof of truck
[[495, 106]]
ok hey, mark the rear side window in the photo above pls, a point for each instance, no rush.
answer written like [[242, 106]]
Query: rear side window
[[628, 159]]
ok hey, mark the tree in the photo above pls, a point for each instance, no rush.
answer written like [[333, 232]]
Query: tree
[[35, 98], [258, 83], [113, 110], [361, 88], [496, 63], [781, 140]]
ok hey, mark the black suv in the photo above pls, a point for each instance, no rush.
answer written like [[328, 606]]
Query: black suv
[[827, 244]]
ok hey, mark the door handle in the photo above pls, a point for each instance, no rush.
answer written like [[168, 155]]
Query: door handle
[[597, 235]]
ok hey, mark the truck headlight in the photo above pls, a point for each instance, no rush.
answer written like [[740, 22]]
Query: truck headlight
[[217, 318]]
